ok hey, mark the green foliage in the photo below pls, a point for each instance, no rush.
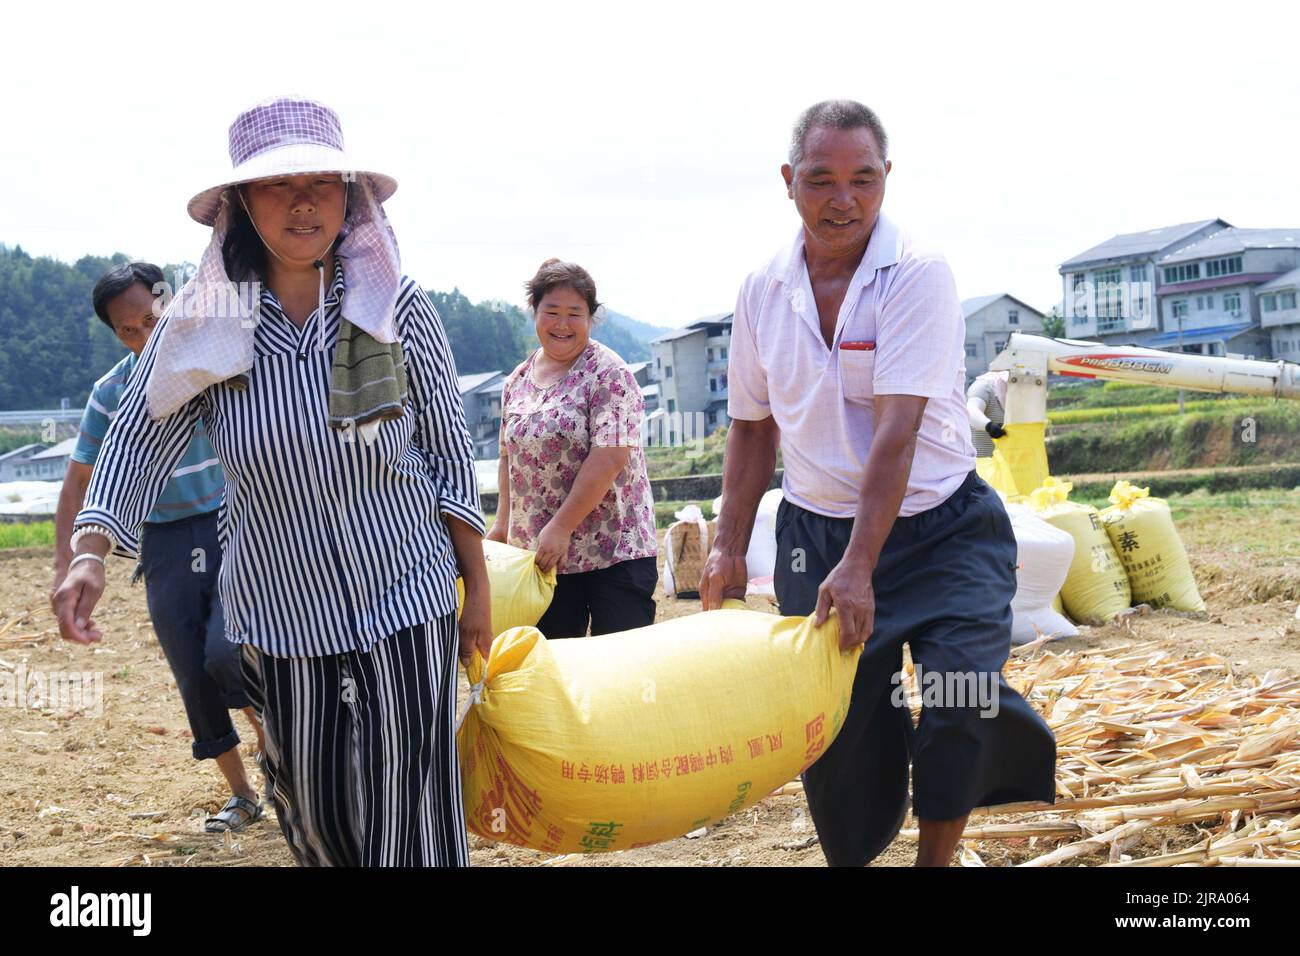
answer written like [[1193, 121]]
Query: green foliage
[[1229, 434], [490, 336], [621, 340], [39, 534], [49, 337], [683, 461], [1099, 413], [52, 345], [691, 459], [666, 511], [1054, 324], [9, 440], [1120, 394], [1183, 490]]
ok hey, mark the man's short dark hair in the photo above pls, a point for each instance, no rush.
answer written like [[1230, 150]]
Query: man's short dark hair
[[836, 114], [120, 278]]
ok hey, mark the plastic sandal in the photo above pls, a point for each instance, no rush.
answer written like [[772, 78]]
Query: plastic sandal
[[229, 817]]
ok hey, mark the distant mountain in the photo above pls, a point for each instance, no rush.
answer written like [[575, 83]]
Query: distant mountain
[[616, 332], [497, 335], [642, 331]]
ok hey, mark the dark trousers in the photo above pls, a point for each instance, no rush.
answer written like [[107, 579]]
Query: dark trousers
[[181, 560], [617, 598], [943, 586], [361, 751]]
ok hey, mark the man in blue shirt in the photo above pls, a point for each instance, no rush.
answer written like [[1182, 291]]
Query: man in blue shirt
[[180, 554]]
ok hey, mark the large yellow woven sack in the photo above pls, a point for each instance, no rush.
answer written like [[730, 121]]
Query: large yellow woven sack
[[1096, 588], [623, 740], [521, 591], [1019, 462], [1144, 536]]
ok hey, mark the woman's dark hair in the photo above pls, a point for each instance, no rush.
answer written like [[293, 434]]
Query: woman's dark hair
[[242, 251], [554, 274], [120, 278]]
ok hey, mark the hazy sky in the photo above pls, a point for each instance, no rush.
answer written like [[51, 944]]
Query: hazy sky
[[646, 145]]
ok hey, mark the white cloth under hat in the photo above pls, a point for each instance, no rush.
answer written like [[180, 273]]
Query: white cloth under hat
[[206, 335]]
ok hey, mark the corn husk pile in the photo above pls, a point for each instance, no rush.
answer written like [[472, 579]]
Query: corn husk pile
[[1162, 760]]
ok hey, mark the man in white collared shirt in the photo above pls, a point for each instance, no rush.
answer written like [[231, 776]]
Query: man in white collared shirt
[[847, 352]]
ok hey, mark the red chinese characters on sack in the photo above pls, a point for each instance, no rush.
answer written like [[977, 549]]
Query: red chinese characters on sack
[[815, 737], [510, 794], [554, 836]]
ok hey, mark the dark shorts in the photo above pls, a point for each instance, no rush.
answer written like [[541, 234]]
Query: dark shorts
[[617, 598], [943, 586]]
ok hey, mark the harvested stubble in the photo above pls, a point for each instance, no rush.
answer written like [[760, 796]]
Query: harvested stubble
[[1148, 742], [9, 637]]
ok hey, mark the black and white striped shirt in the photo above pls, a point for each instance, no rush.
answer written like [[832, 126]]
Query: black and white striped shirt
[[331, 543]]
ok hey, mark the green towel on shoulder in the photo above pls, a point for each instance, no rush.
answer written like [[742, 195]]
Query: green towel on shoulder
[[367, 380]]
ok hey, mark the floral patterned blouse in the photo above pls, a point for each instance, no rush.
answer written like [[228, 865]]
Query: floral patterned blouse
[[547, 434]]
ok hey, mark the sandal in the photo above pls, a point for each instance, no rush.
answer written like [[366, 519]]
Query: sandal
[[238, 813]]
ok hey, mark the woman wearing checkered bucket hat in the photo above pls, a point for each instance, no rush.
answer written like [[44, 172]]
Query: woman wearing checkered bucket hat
[[329, 393]]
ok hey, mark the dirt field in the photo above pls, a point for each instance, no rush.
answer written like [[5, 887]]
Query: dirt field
[[122, 789]]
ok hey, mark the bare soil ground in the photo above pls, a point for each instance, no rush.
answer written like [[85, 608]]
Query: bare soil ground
[[121, 788]]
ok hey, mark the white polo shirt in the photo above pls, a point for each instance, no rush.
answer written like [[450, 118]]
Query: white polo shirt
[[900, 331]]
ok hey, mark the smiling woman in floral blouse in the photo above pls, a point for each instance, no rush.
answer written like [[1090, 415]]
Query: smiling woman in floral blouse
[[573, 483]]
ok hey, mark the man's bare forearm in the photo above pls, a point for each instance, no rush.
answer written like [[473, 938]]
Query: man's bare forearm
[[72, 497], [749, 463]]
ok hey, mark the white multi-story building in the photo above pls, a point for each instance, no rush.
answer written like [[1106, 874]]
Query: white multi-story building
[[1110, 290], [1278, 315], [1205, 287], [1212, 292], [690, 367]]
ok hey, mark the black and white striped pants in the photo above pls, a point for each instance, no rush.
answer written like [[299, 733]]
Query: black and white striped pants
[[361, 750]]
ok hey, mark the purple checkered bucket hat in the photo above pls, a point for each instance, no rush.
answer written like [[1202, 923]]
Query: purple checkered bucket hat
[[285, 136]]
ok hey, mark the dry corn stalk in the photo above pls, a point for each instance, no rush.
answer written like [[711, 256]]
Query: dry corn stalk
[[1093, 844], [1149, 743]]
